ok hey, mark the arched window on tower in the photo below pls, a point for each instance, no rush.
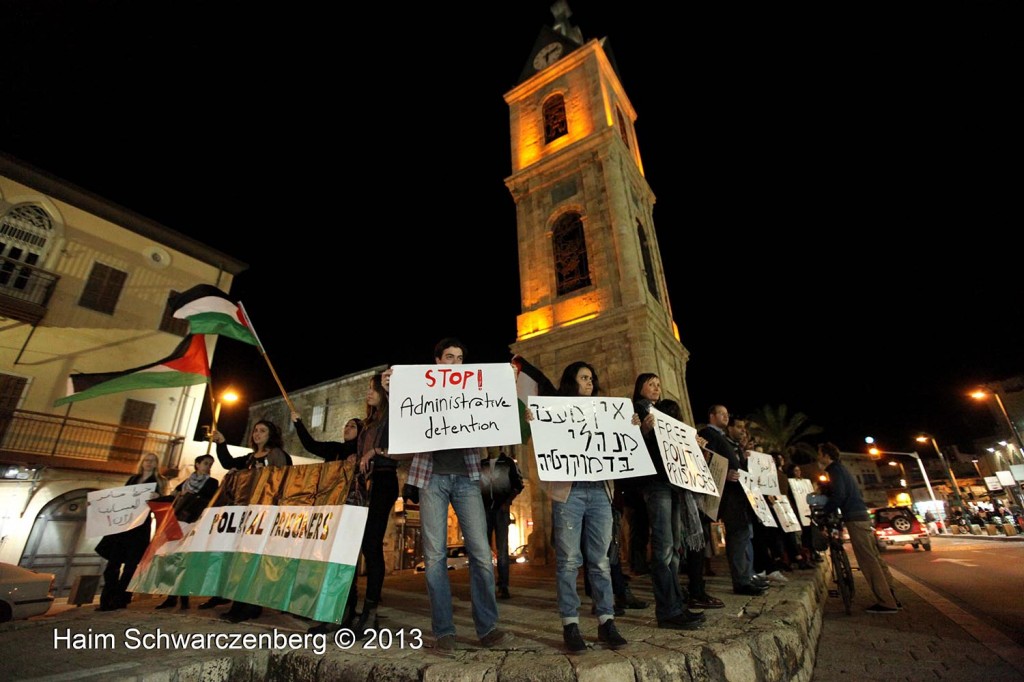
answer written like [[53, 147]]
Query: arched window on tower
[[645, 253], [555, 123], [622, 126], [25, 232], [569, 244]]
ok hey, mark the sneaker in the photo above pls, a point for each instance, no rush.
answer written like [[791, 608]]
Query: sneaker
[[445, 643], [573, 639], [503, 593], [609, 634], [777, 577], [879, 608], [496, 637]]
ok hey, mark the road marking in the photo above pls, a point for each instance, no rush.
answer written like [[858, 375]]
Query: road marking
[[959, 562], [990, 638]]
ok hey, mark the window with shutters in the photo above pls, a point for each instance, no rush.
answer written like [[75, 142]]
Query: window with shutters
[[103, 289]]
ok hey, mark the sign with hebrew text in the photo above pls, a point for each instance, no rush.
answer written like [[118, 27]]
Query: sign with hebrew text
[[587, 439]]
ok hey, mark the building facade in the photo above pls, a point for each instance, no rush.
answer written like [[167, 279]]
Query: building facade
[[84, 287]]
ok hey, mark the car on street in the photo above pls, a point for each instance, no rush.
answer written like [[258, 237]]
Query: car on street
[[23, 592], [898, 527], [458, 557]]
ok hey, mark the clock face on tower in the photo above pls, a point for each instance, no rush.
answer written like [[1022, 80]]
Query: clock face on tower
[[548, 55]]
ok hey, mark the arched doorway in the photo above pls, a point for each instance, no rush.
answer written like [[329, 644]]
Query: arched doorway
[[58, 545]]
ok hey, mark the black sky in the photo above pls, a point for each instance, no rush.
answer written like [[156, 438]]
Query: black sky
[[837, 187]]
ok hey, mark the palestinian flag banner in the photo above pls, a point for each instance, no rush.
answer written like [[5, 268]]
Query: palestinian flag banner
[[186, 366], [530, 381], [280, 537], [210, 311]]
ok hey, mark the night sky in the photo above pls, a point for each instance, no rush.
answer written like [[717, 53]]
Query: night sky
[[837, 188]]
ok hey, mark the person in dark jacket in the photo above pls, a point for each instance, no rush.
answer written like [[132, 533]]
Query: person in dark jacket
[[500, 483], [190, 498], [124, 550], [844, 496], [330, 450]]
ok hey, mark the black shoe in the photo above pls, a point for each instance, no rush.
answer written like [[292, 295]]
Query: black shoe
[[628, 601], [503, 593], [214, 602], [367, 621], [609, 634], [751, 590], [234, 617], [573, 639], [168, 603], [687, 620]]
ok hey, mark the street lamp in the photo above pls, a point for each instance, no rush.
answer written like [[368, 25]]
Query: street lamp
[[925, 438], [903, 472], [924, 473], [981, 394], [228, 396]]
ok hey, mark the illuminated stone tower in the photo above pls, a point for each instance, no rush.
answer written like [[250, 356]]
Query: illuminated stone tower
[[591, 276]]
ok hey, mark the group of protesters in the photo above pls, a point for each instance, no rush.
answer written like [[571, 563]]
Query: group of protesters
[[585, 520]]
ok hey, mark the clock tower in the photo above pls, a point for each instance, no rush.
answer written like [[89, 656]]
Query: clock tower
[[591, 275]]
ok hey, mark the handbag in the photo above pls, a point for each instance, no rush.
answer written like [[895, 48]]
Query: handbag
[[358, 492]]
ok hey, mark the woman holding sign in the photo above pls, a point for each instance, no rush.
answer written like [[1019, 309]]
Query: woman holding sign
[[578, 508], [664, 506], [124, 550]]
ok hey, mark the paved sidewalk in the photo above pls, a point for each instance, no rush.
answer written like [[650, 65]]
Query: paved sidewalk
[[766, 638], [931, 639]]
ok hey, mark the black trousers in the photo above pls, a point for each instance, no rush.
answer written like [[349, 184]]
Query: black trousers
[[383, 493]]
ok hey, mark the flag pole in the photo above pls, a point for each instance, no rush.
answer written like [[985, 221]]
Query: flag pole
[[263, 352]]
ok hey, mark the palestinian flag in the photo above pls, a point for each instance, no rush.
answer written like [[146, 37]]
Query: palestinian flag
[[530, 381], [187, 365], [210, 311]]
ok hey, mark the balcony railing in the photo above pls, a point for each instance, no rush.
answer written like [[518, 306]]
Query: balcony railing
[[53, 440], [25, 290]]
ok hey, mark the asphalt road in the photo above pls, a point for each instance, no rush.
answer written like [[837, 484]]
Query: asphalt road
[[984, 579]]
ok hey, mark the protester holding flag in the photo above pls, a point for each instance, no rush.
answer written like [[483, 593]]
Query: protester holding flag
[[267, 450], [124, 550], [329, 450], [190, 498]]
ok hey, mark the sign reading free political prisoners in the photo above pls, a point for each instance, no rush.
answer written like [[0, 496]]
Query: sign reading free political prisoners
[[117, 509], [680, 452], [587, 439], [440, 407]]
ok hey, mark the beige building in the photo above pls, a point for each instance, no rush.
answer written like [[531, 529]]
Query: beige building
[[84, 287]]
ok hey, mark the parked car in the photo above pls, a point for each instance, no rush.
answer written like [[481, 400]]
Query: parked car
[[897, 526], [458, 557], [520, 555], [23, 593]]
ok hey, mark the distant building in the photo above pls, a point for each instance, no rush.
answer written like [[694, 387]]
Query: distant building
[[84, 287]]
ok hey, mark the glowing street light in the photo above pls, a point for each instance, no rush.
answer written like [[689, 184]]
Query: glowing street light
[[903, 472], [927, 482], [981, 394], [925, 438], [229, 397]]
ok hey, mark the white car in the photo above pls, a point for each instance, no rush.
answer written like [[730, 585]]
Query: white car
[[23, 593], [458, 557]]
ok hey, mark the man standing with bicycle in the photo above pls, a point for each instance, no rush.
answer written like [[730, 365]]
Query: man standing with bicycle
[[844, 495]]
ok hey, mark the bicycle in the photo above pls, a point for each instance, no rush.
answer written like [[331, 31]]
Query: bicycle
[[831, 526]]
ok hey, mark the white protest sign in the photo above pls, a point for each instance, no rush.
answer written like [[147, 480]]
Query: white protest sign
[[719, 468], [787, 517], [587, 439], [681, 455], [117, 509], [801, 488], [441, 407], [756, 499], [1005, 478], [766, 475]]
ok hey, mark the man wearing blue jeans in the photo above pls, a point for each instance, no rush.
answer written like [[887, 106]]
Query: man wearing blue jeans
[[453, 477]]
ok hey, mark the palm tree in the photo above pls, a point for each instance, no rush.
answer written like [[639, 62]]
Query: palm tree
[[779, 433]]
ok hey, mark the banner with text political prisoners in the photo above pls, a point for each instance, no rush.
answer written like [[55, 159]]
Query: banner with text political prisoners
[[279, 537], [587, 439], [440, 407], [117, 509], [681, 454]]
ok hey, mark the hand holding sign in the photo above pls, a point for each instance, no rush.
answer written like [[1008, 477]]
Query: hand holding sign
[[680, 452]]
